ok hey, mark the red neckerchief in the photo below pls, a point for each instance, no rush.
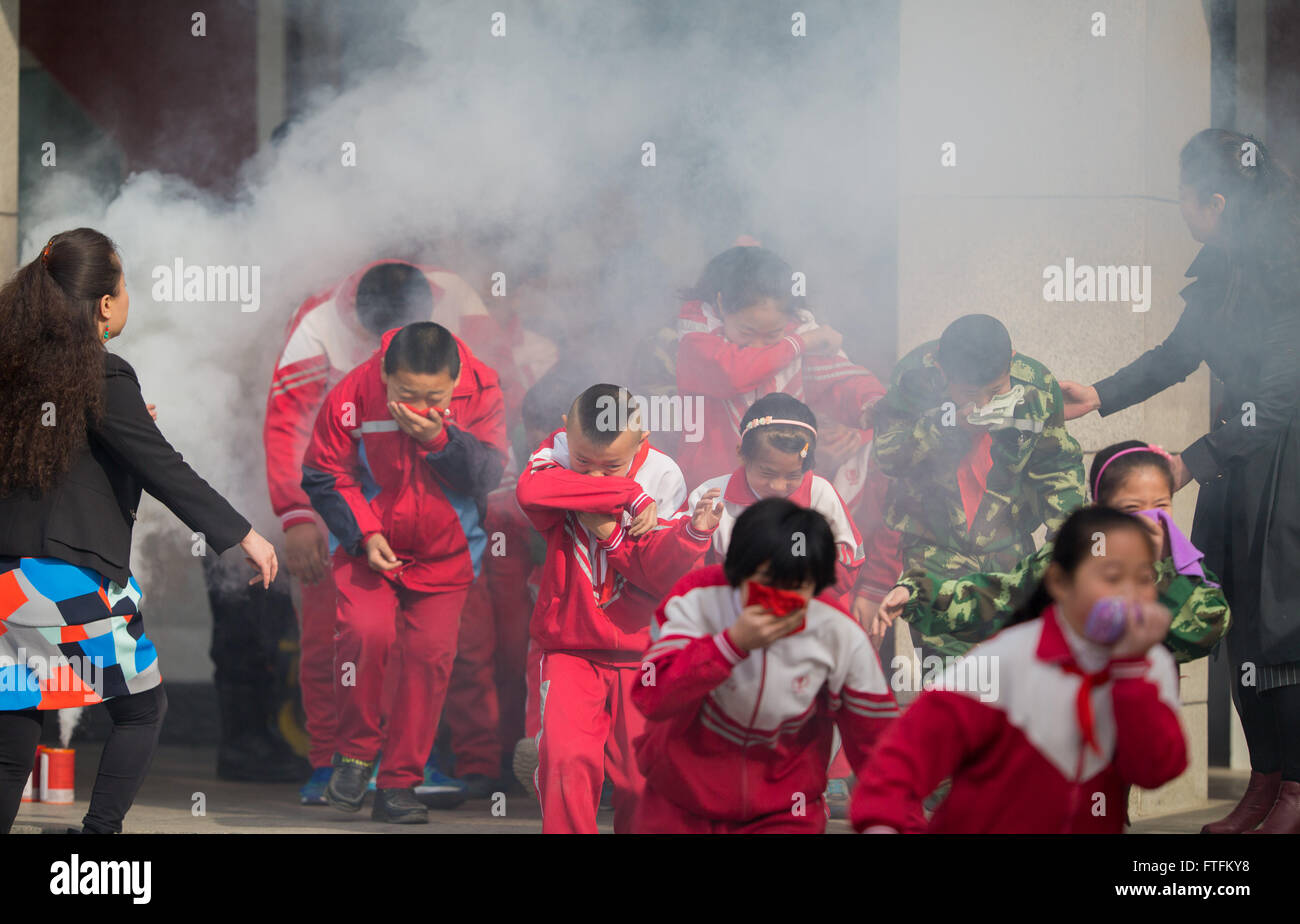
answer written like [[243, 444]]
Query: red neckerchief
[[638, 460], [738, 490], [1052, 646], [972, 475]]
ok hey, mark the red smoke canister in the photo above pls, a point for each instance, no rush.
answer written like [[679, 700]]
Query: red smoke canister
[[57, 776]]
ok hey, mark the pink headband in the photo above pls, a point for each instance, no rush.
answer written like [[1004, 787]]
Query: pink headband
[[1123, 452]]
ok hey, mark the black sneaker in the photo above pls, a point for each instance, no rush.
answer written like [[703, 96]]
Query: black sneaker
[[346, 789], [398, 807], [478, 786]]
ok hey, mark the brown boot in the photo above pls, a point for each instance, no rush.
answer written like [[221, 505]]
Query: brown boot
[[1261, 793], [1285, 816]]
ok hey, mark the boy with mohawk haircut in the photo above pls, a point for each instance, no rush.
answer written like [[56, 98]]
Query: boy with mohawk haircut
[[618, 536]]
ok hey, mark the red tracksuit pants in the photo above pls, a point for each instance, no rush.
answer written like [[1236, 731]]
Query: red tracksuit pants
[[374, 615], [588, 725], [656, 815], [472, 713], [484, 713], [317, 614]]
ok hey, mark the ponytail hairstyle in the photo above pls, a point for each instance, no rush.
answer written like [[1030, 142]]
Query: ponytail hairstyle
[[781, 434], [1105, 476], [52, 358], [1072, 545], [1261, 214], [744, 276]]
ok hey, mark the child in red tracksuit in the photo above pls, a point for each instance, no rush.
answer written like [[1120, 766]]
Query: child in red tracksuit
[[596, 490], [741, 336], [747, 676], [405, 449], [1044, 727]]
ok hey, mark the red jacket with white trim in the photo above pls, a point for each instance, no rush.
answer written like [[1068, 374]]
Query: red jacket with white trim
[[1006, 723], [364, 475], [813, 492], [597, 595], [325, 341], [732, 377], [735, 735]]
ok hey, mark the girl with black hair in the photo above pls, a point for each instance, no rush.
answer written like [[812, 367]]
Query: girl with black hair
[[1243, 320], [1131, 476], [749, 672], [78, 445], [778, 449], [742, 334], [1045, 726]]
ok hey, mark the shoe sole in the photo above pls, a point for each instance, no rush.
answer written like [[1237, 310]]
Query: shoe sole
[[441, 800], [402, 819], [335, 802], [524, 764]]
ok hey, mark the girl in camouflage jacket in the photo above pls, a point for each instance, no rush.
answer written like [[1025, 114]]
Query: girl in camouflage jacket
[[953, 615]]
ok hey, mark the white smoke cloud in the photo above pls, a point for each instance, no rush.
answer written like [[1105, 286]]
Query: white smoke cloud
[[532, 141]]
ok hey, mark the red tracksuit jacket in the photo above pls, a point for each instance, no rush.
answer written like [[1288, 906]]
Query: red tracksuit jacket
[[597, 596], [1015, 747], [731, 378], [736, 735], [323, 343], [364, 475]]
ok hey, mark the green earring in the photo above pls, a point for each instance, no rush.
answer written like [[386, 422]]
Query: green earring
[[105, 335]]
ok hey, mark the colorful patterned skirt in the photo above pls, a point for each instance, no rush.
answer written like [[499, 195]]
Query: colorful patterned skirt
[[69, 636]]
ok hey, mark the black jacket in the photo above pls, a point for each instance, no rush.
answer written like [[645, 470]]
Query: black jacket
[[1248, 465], [86, 518]]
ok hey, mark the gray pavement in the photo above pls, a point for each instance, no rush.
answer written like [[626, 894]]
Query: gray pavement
[[183, 780]]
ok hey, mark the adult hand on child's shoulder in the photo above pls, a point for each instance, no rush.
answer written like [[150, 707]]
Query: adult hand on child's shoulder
[[1079, 399], [1182, 474]]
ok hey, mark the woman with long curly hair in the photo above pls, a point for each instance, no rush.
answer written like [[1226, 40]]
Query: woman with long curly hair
[[78, 445], [1243, 320]]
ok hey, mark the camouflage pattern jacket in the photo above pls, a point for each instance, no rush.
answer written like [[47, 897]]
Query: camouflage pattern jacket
[[955, 614], [1036, 477]]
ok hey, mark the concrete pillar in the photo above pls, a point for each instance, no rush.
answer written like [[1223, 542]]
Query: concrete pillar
[[272, 75], [1066, 146], [8, 136]]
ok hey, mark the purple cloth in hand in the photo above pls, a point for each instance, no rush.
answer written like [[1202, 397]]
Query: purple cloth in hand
[[1187, 557]]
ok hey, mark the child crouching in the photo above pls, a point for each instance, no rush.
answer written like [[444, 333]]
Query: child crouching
[[747, 676]]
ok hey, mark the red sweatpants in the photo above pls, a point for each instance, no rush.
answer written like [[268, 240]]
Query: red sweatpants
[[588, 725], [533, 686], [656, 815], [471, 713], [375, 615], [317, 615], [485, 705]]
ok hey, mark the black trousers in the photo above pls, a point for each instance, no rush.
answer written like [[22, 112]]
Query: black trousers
[[125, 760], [1271, 721]]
